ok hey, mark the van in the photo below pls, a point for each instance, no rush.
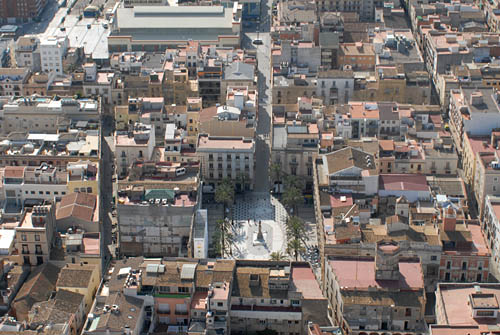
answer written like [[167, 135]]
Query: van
[[180, 171]]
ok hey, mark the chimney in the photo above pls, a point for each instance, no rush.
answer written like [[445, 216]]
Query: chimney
[[449, 219]]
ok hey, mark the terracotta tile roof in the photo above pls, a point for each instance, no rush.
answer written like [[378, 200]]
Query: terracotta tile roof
[[75, 276], [403, 182], [78, 205], [37, 288]]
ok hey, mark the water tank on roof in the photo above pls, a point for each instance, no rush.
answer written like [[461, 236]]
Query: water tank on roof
[[28, 148]]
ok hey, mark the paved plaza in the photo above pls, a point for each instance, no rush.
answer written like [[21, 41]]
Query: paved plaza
[[247, 212]]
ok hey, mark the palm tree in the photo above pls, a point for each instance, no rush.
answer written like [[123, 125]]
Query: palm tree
[[295, 228], [276, 256], [294, 248], [276, 172], [242, 179], [223, 238], [224, 193], [294, 182], [292, 198]]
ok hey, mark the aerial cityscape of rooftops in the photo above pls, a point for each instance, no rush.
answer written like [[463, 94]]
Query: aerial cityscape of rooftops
[[262, 167]]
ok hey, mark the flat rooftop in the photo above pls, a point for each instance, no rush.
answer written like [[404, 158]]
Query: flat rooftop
[[360, 274], [224, 143], [456, 303]]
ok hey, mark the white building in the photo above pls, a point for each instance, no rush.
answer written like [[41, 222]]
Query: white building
[[200, 231], [52, 52], [227, 157], [491, 228]]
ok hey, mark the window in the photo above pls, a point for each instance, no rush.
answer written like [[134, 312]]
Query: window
[[37, 237], [408, 312], [32, 192], [23, 237], [220, 304], [464, 265], [433, 258], [47, 192], [448, 265], [40, 192], [183, 289]]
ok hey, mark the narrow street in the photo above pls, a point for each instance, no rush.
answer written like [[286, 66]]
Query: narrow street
[[263, 138]]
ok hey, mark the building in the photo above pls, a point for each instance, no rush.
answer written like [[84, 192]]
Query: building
[[473, 111], [12, 81], [209, 296], [365, 8], [206, 24], [335, 86], [155, 222], [413, 187], [295, 147], [35, 235], [226, 157], [46, 115], [486, 179], [137, 143], [80, 278], [27, 52], [14, 11], [491, 228], [66, 309], [381, 295], [52, 52], [237, 74], [78, 210], [37, 288], [357, 56], [466, 256], [348, 170], [463, 308]]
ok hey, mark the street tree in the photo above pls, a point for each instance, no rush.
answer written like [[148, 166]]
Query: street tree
[[224, 193], [223, 238], [242, 179], [292, 198], [276, 172], [294, 248], [295, 228]]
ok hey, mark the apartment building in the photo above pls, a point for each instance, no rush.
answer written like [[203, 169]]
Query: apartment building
[[486, 179], [155, 222], [466, 255], [335, 86], [20, 11], [474, 112], [35, 234], [466, 308], [52, 52], [204, 296], [12, 81], [491, 226], [226, 157], [295, 147], [348, 170], [47, 115], [27, 52], [137, 143], [398, 284], [365, 8], [358, 56]]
